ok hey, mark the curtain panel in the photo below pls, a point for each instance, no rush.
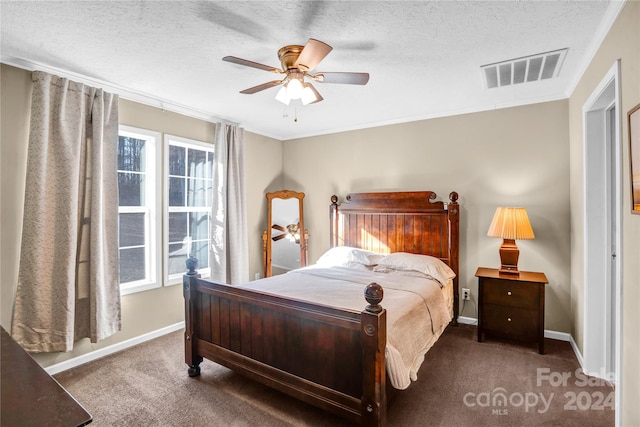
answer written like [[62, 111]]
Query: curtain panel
[[229, 252], [68, 283]]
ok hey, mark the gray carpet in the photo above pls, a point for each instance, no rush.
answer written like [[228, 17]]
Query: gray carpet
[[458, 385]]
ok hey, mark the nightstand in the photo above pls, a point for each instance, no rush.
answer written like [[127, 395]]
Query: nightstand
[[511, 306]]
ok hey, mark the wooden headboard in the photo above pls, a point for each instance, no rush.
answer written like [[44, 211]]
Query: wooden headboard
[[409, 221]]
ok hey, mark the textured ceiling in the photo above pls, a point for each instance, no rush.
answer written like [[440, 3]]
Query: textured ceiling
[[423, 57]]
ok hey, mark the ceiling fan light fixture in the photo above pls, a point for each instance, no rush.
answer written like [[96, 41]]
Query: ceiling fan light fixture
[[294, 88], [308, 95], [283, 96]]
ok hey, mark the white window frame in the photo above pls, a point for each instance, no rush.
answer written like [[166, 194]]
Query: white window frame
[[175, 279], [151, 209]]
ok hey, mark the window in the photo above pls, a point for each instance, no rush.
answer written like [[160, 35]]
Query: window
[[189, 168], [164, 213], [137, 212]]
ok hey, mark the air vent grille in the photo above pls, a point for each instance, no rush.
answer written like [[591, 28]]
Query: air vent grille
[[524, 70]]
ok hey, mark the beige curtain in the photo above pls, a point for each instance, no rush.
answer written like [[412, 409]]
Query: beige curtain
[[229, 253], [68, 284]]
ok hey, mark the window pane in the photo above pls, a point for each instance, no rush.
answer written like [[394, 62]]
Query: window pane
[[200, 250], [190, 184], [199, 225], [131, 154], [132, 265], [176, 192], [176, 160], [178, 229], [130, 189], [177, 256], [197, 192], [197, 163], [131, 229]]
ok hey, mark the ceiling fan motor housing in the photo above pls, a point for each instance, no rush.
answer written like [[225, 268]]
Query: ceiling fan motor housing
[[288, 56]]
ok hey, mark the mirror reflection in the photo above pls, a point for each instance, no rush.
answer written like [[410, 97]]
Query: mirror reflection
[[285, 240]]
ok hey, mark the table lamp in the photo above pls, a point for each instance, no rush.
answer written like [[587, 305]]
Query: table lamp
[[510, 224]]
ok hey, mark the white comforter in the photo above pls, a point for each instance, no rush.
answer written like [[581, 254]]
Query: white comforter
[[417, 308]]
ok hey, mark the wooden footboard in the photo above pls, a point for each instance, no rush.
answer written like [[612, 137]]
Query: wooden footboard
[[330, 358]]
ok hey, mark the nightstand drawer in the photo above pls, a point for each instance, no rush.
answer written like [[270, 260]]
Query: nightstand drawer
[[511, 322], [509, 293]]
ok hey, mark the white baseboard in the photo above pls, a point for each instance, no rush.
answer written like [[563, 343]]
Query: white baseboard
[[467, 320], [562, 336], [88, 357]]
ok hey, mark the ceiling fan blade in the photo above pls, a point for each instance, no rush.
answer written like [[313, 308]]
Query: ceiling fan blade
[[278, 227], [248, 63], [223, 15], [343, 78], [276, 238], [263, 86], [314, 52]]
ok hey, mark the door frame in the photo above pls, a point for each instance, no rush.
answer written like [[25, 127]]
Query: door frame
[[602, 257]]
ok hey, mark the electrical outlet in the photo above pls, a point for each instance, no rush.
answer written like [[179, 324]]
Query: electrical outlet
[[466, 294]]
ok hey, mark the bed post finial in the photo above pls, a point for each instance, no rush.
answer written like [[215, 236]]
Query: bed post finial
[[192, 266], [453, 196], [373, 293], [333, 221]]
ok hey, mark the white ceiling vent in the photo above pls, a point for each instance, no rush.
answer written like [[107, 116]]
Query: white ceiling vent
[[524, 70]]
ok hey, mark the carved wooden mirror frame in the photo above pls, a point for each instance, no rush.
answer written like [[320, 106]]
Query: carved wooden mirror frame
[[286, 231]]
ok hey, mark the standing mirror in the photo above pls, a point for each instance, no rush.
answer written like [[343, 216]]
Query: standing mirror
[[285, 239]]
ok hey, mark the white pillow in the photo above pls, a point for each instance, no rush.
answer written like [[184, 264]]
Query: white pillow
[[346, 256], [428, 265]]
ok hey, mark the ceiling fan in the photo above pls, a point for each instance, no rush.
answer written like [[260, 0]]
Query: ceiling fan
[[297, 63], [291, 232]]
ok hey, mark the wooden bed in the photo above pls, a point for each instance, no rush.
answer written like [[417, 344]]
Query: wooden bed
[[281, 342]]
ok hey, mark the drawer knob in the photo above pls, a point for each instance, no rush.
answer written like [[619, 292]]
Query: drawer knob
[[509, 319], [509, 293]]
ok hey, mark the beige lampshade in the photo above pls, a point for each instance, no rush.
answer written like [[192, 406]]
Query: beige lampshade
[[511, 223]]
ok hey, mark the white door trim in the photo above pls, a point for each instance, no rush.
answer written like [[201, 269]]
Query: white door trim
[[599, 242]]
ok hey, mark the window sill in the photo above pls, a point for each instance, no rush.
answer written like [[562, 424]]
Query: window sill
[[133, 289]]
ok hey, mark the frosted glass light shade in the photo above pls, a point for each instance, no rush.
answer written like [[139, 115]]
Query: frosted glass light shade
[[511, 223], [282, 96], [308, 95], [294, 89]]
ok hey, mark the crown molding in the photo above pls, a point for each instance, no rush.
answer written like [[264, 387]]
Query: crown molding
[[121, 91], [612, 13]]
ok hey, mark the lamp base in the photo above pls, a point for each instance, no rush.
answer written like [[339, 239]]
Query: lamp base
[[509, 254]]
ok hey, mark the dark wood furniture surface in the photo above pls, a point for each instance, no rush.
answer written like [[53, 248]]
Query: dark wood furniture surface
[[281, 342], [30, 396], [511, 306]]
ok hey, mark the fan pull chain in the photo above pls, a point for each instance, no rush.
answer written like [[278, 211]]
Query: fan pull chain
[[295, 113]]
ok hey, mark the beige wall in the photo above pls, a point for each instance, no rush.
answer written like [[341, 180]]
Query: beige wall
[[515, 156], [145, 311], [263, 159], [622, 42]]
